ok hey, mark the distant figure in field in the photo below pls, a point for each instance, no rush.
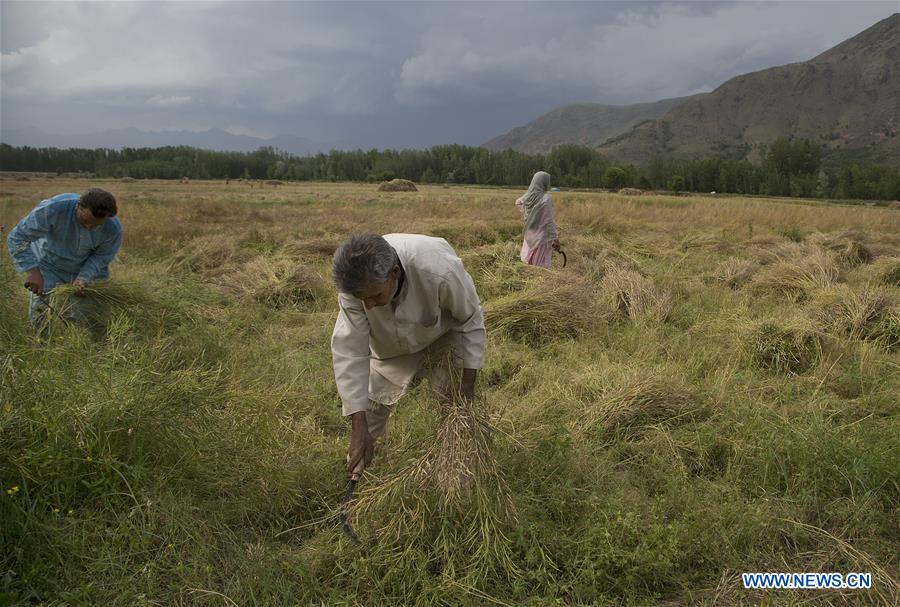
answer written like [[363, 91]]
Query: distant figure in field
[[69, 238], [406, 305], [540, 237]]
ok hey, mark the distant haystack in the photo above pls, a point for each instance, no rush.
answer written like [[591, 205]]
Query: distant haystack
[[127, 179], [631, 191], [398, 185]]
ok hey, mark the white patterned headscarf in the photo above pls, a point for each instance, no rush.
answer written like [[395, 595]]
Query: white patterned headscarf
[[537, 212], [540, 183]]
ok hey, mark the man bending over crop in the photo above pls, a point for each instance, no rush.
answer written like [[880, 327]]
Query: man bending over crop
[[69, 238], [404, 299]]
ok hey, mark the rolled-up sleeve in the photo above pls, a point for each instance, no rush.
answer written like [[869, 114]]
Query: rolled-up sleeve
[[97, 265], [458, 296], [350, 355], [36, 225]]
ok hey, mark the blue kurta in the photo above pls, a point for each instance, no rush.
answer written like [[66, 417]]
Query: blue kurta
[[51, 239]]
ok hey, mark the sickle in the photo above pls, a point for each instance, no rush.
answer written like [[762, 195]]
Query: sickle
[[345, 521], [565, 259]]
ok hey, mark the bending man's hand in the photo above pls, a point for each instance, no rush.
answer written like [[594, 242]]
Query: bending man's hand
[[79, 287], [362, 445], [34, 281], [555, 244]]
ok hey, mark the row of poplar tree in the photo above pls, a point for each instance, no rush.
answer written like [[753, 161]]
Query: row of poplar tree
[[788, 168]]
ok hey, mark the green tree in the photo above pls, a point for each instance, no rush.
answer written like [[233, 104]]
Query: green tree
[[676, 183], [615, 177]]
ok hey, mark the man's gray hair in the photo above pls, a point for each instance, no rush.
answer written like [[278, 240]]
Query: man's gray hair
[[362, 260]]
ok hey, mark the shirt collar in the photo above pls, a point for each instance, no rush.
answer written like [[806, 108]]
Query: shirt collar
[[404, 288]]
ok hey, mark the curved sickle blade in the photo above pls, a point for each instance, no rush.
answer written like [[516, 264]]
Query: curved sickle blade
[[565, 259], [345, 521]]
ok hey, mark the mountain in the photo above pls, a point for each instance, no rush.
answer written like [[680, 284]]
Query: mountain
[[585, 123], [213, 139], [847, 98]]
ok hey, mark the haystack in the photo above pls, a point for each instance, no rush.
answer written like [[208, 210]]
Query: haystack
[[398, 185], [631, 192]]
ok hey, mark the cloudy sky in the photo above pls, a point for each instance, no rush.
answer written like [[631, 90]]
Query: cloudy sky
[[379, 74]]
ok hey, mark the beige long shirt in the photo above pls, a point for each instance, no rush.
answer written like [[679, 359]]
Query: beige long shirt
[[437, 297]]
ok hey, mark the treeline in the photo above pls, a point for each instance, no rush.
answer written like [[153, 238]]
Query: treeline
[[788, 168]]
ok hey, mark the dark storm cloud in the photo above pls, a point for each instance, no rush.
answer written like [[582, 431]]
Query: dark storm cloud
[[384, 74]]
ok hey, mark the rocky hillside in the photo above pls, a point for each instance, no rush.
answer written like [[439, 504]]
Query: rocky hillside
[[847, 98], [585, 123]]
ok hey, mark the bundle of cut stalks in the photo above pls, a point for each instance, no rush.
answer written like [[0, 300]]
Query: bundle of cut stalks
[[208, 254], [323, 247], [116, 294], [486, 257], [735, 272], [884, 271], [639, 397], [849, 247], [450, 498], [559, 305], [277, 281], [791, 346], [636, 295], [811, 268], [106, 300], [870, 314]]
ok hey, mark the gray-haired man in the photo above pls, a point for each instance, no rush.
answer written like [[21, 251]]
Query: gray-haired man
[[403, 298]]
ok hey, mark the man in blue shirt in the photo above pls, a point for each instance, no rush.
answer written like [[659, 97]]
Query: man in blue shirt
[[69, 238]]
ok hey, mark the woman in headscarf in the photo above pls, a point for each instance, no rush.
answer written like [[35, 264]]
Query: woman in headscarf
[[540, 237]]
